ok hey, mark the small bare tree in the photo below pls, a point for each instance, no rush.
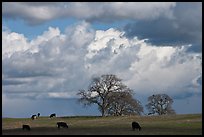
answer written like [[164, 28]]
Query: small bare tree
[[160, 104]]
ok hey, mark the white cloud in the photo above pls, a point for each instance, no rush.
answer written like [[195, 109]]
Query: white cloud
[[105, 38], [172, 73], [80, 34], [97, 11], [61, 95], [46, 36], [13, 42], [62, 63]]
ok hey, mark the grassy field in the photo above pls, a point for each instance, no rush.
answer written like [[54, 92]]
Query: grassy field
[[188, 124]]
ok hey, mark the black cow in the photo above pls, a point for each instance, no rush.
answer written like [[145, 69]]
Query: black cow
[[62, 124], [53, 115], [38, 114], [136, 125], [150, 113], [26, 127], [33, 117]]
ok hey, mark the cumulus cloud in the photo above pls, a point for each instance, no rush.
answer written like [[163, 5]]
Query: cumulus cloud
[[89, 11], [57, 65], [13, 42], [163, 23]]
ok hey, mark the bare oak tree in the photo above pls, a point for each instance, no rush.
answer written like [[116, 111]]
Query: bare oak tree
[[100, 92], [160, 104], [124, 104]]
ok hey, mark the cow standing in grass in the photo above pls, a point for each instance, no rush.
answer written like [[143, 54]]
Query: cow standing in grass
[[136, 125], [26, 127], [33, 117], [53, 115], [62, 124]]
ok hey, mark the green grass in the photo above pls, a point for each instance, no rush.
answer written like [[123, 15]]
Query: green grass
[[188, 124]]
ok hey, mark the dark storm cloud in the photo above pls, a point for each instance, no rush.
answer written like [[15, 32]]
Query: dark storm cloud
[[184, 28], [11, 70], [12, 82], [38, 13], [15, 73], [34, 13]]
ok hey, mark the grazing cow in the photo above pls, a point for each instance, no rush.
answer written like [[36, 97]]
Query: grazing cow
[[53, 115], [26, 127], [33, 117], [136, 125], [38, 114], [62, 124], [150, 113]]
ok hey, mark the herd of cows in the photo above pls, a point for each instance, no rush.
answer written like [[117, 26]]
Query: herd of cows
[[38, 115], [59, 124], [135, 125]]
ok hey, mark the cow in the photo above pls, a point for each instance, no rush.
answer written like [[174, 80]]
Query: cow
[[26, 127], [136, 125], [150, 113], [62, 124], [38, 114], [33, 117], [53, 115]]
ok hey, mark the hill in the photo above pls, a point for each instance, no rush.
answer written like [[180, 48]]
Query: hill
[[188, 124]]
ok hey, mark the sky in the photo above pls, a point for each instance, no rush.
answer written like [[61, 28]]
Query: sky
[[51, 50]]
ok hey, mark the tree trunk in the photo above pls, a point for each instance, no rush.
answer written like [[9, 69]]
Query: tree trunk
[[102, 111], [103, 107]]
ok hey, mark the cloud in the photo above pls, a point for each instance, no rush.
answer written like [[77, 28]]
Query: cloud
[[34, 13], [144, 67], [57, 65], [51, 63], [162, 23], [185, 27], [12, 82], [13, 42], [89, 11]]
